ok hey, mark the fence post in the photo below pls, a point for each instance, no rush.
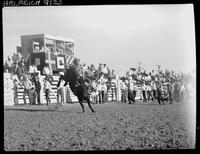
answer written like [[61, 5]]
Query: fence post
[[8, 90], [41, 78], [118, 89], [64, 93]]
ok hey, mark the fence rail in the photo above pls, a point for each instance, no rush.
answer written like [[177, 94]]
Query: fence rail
[[111, 94]]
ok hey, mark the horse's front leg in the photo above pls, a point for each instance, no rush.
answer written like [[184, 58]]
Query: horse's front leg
[[89, 104]]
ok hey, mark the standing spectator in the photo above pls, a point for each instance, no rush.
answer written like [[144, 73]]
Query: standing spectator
[[101, 86], [109, 74], [33, 71], [104, 69], [99, 91], [144, 88], [103, 92], [8, 65], [84, 69], [21, 69], [127, 74], [94, 92], [16, 87], [134, 90], [18, 56], [32, 96], [139, 79], [15, 68], [130, 91], [149, 94], [26, 83], [37, 89], [182, 90], [153, 72], [170, 90], [113, 74], [124, 89], [165, 95], [88, 73], [134, 74], [159, 88], [153, 89], [93, 71], [130, 73], [60, 90], [100, 69], [177, 88], [47, 72], [47, 87], [148, 78]]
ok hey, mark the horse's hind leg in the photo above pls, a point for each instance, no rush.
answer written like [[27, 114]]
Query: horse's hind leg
[[82, 106], [89, 104], [81, 103]]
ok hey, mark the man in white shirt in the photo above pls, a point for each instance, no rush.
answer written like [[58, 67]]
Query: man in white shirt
[[33, 69], [83, 69], [130, 91], [104, 69], [144, 88], [149, 95], [153, 89], [124, 89], [148, 78], [47, 72], [130, 73]]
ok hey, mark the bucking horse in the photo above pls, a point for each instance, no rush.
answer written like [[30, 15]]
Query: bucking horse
[[77, 86]]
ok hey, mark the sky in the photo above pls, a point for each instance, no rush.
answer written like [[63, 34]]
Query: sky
[[117, 35]]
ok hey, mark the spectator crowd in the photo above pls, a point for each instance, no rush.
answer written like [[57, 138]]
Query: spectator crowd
[[155, 85]]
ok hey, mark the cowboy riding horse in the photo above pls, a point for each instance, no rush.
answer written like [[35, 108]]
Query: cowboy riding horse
[[77, 84]]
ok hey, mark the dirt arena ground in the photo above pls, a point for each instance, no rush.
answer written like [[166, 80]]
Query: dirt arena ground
[[114, 126]]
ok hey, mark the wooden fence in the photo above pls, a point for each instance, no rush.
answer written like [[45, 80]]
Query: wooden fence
[[113, 94]]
